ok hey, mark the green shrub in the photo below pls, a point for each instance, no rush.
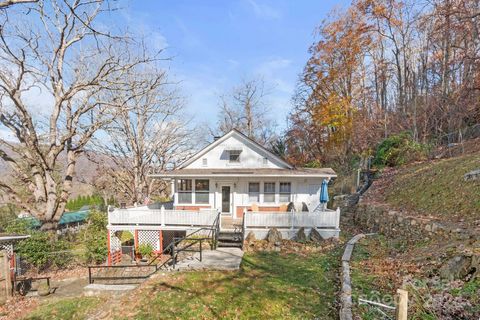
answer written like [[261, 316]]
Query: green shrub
[[44, 250], [399, 149], [19, 226], [95, 237], [313, 164], [145, 249]]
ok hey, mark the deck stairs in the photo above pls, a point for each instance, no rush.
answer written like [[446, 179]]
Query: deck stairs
[[230, 239], [231, 233]]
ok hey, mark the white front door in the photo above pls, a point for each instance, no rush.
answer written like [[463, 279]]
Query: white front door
[[226, 199]]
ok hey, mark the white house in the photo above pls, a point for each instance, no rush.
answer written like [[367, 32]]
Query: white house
[[235, 174], [234, 186]]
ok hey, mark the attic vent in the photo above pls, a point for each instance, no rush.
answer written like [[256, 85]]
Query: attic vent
[[204, 162], [234, 155], [265, 161]]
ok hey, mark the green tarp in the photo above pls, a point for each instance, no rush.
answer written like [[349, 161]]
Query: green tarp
[[68, 217]]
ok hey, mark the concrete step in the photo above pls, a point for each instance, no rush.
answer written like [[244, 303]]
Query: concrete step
[[236, 244], [229, 233], [232, 237]]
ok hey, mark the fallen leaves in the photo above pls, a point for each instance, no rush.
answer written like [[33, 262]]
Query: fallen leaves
[[17, 307]]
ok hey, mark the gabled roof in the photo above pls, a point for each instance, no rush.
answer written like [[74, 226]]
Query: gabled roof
[[242, 137]]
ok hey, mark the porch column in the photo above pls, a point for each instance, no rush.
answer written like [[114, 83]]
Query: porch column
[[135, 241], [172, 188], [160, 240]]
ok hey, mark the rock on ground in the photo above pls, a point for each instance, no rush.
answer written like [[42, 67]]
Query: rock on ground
[[472, 175], [300, 236], [250, 237], [459, 267], [274, 236], [315, 236]]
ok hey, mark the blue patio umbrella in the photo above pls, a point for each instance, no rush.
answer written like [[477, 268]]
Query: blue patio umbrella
[[324, 192]]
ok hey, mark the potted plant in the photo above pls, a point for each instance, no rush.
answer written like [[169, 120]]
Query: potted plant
[[146, 251]]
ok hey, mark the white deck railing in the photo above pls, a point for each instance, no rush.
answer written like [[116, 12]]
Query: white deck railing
[[143, 216], [162, 217], [292, 220]]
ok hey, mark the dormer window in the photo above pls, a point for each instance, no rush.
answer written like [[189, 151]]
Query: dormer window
[[234, 156]]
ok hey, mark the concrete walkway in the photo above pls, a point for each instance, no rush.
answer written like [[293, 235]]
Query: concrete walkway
[[219, 259], [94, 288]]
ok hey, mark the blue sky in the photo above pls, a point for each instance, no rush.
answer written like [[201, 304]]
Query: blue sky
[[215, 44]]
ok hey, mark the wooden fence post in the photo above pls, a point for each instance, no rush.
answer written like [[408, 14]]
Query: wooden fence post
[[402, 304], [162, 215], [292, 220], [5, 274], [337, 222]]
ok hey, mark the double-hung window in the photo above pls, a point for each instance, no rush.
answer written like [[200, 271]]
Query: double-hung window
[[253, 192], [201, 191], [269, 192], [184, 191], [285, 191]]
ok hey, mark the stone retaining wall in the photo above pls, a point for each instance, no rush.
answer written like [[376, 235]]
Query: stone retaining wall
[[377, 218]]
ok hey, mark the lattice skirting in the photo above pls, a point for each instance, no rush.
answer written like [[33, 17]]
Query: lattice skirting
[[151, 237], [8, 247]]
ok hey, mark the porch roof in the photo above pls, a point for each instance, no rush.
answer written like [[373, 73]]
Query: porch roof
[[246, 172]]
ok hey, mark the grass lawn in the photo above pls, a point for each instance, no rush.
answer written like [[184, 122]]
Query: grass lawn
[[438, 188], [371, 276], [68, 308], [270, 285]]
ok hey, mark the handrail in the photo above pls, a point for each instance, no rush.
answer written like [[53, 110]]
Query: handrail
[[171, 247], [213, 235], [91, 279]]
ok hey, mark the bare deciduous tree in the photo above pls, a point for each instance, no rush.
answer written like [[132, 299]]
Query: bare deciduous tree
[[148, 134], [57, 80], [245, 109], [8, 3]]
